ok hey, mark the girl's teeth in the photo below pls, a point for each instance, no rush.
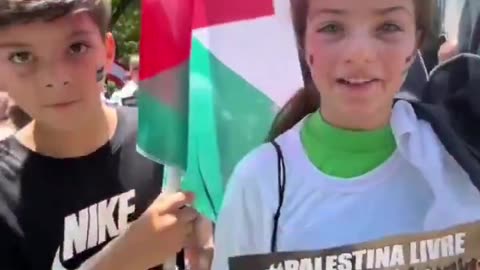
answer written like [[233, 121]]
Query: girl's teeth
[[354, 81]]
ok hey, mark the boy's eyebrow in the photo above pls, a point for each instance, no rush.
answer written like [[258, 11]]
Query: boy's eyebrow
[[80, 33], [384, 11], [13, 44]]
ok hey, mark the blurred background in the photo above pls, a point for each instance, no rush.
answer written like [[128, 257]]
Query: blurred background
[[455, 21]]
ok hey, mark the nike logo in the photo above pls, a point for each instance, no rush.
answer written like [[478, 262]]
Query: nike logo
[[93, 226]]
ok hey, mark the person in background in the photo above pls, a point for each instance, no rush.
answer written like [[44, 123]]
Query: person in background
[[129, 89], [469, 28], [447, 50], [74, 192], [6, 126], [12, 117], [468, 40]]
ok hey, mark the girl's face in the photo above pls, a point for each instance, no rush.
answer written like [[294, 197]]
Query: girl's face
[[359, 53]]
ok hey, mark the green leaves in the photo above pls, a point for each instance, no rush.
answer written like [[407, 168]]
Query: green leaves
[[126, 27]]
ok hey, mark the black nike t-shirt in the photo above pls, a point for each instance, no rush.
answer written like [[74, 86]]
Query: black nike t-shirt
[[56, 213]]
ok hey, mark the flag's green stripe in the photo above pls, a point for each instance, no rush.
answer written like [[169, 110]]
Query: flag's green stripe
[[204, 154], [243, 113], [228, 116], [162, 131], [204, 173]]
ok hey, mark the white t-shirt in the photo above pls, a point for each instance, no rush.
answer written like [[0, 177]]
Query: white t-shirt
[[419, 188]]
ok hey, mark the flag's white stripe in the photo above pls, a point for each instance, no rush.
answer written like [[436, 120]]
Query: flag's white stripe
[[263, 51]]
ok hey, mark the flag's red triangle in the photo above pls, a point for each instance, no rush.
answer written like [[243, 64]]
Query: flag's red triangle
[[165, 38], [166, 26], [214, 12]]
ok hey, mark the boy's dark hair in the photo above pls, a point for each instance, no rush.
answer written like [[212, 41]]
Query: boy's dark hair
[[14, 12]]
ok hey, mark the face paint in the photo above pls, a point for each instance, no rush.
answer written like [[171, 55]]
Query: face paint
[[100, 74]]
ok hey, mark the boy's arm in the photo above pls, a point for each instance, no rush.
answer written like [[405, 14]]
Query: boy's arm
[[199, 253], [158, 234]]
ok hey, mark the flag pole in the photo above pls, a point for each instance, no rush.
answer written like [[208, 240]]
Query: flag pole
[[173, 179]]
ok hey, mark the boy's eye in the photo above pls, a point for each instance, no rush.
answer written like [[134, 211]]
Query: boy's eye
[[390, 28], [78, 48], [331, 28], [20, 57]]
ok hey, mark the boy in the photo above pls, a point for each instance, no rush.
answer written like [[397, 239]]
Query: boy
[[71, 180]]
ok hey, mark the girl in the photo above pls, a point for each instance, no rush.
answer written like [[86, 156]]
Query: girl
[[357, 166]]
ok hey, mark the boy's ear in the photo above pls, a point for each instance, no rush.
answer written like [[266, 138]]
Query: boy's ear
[[111, 48]]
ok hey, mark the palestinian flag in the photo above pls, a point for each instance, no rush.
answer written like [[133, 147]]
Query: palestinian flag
[[163, 97], [204, 111]]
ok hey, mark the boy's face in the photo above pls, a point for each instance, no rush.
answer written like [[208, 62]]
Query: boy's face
[[49, 68]]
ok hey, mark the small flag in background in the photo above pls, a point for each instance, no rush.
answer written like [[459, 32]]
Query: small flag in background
[[243, 66]]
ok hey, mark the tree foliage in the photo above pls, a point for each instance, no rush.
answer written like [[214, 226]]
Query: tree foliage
[[126, 27]]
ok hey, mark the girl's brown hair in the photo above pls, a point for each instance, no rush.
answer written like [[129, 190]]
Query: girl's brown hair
[[307, 99]]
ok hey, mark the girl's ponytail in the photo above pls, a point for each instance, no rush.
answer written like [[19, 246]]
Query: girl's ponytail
[[304, 102]]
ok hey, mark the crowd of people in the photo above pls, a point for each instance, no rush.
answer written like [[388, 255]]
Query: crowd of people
[[125, 96], [352, 166]]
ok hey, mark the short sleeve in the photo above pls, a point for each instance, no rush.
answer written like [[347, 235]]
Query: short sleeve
[[244, 225]]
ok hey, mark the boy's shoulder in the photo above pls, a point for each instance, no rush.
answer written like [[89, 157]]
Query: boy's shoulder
[[128, 119], [124, 144], [12, 156], [126, 131]]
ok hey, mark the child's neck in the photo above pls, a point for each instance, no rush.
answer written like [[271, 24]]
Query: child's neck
[[76, 143]]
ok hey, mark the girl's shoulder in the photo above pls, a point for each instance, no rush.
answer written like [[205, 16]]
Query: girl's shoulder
[[263, 160]]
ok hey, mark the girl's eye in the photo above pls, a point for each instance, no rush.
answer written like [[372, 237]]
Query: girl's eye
[[78, 48], [21, 57], [331, 28], [390, 28]]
